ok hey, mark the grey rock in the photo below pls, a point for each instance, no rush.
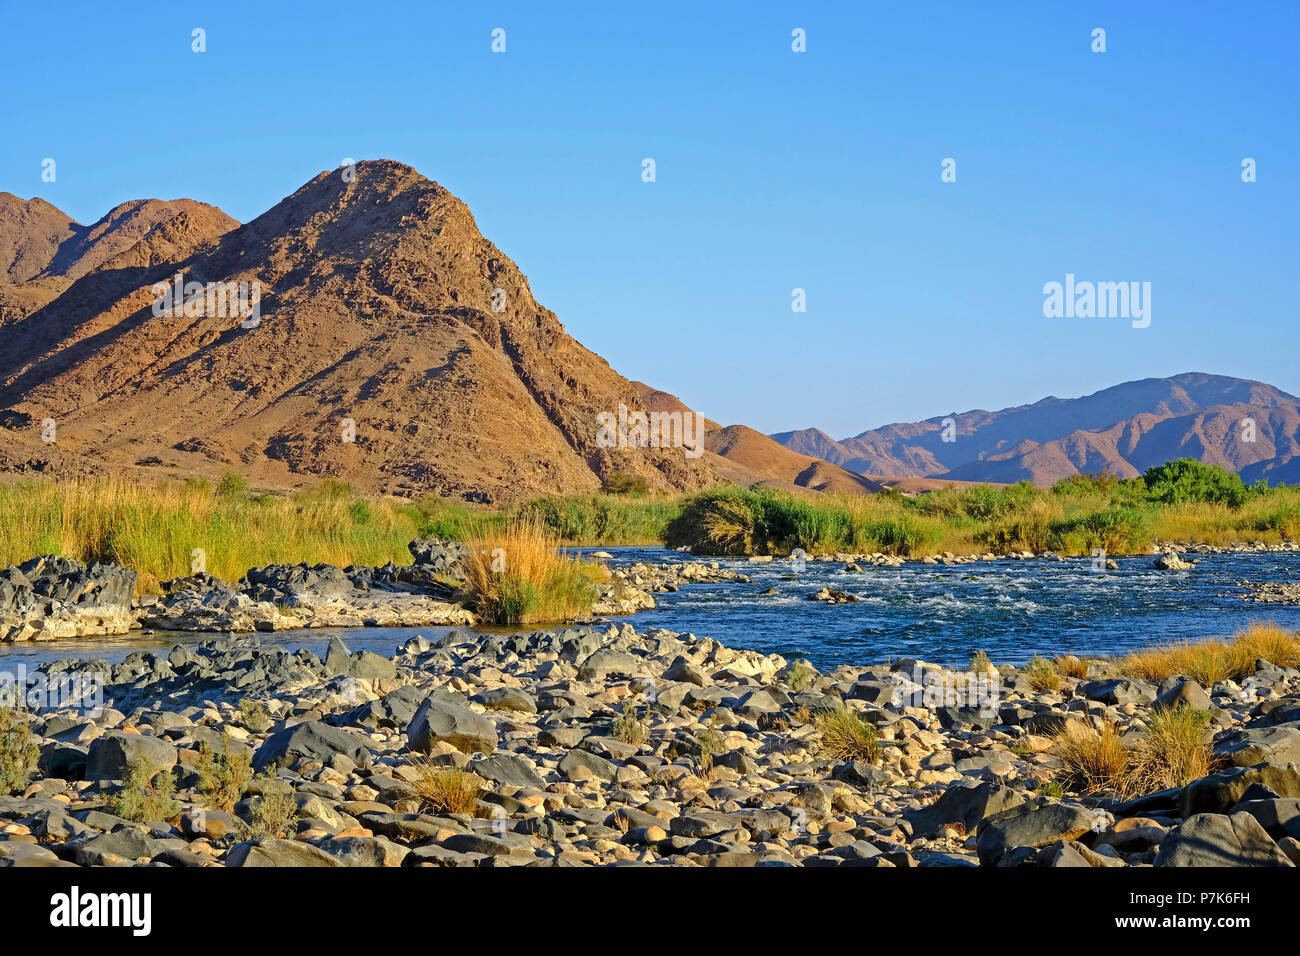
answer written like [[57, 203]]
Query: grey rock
[[312, 740], [1213, 839], [272, 852], [441, 720]]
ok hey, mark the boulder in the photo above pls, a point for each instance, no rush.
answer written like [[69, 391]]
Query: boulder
[[1034, 823], [312, 740], [1214, 839], [438, 719], [109, 755], [271, 852]]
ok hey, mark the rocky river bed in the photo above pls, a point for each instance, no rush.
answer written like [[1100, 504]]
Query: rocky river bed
[[604, 746]]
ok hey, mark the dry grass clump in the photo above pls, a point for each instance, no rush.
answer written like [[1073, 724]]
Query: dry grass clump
[[629, 728], [1173, 750], [1208, 662], [1042, 676], [520, 575], [1094, 760], [446, 790], [1067, 665], [846, 736]]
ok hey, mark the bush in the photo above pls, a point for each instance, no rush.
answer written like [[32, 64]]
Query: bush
[[148, 794], [18, 753], [273, 812], [224, 777], [622, 483], [253, 715], [629, 728], [232, 485], [1186, 479]]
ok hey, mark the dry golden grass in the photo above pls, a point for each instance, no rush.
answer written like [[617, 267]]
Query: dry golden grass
[[846, 736], [1172, 751], [1208, 662], [1094, 760], [520, 575], [1070, 666], [445, 790], [1042, 676]]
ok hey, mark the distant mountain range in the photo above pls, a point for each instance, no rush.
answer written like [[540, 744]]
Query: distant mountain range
[[1244, 426]]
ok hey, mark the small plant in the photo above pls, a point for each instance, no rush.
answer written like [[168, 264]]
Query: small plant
[[708, 744], [629, 728], [980, 663], [446, 790], [799, 677], [1042, 676], [1051, 788], [223, 778], [18, 754], [273, 813], [147, 795], [253, 715], [846, 736]]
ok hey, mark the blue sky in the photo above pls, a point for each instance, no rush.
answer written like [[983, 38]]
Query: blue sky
[[775, 171]]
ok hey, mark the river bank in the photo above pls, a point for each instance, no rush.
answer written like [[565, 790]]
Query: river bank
[[607, 746]]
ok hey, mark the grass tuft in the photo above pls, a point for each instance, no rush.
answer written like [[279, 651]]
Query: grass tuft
[[846, 736]]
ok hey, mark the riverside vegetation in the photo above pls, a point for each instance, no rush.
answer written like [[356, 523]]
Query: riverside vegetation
[[154, 528]]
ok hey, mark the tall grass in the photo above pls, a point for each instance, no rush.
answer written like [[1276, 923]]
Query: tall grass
[[519, 575], [155, 529], [1208, 662], [1173, 750]]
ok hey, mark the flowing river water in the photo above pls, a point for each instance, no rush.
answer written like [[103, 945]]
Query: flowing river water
[[943, 613]]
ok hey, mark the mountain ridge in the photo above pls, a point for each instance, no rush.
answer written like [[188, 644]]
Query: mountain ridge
[[1124, 428]]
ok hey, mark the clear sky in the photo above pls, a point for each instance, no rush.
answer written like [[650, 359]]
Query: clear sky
[[775, 170]]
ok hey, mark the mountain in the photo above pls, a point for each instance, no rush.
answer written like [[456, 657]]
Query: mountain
[[385, 317], [1124, 429], [43, 251]]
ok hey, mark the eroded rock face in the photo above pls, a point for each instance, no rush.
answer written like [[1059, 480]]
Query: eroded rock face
[[50, 597]]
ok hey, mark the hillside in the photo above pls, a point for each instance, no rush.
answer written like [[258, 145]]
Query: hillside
[[1124, 429]]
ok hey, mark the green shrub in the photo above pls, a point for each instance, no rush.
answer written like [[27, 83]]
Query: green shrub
[[621, 483], [148, 794], [224, 777], [18, 753], [232, 485], [1186, 479]]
